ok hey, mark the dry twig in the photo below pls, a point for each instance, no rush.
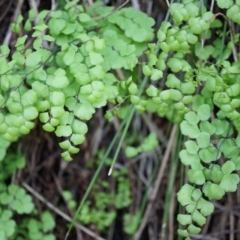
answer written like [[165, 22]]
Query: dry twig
[[59, 212], [157, 183]]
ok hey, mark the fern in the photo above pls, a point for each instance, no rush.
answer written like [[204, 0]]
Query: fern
[[64, 84]]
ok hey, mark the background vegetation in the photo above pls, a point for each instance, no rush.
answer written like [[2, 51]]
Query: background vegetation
[[151, 97]]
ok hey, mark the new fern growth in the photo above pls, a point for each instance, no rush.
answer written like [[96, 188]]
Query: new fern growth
[[66, 75]]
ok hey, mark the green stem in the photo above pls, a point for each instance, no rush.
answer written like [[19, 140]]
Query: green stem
[[93, 180], [129, 119], [223, 39]]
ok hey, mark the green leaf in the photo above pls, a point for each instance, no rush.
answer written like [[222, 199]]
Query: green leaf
[[187, 158], [79, 127], [161, 35], [29, 98], [236, 161], [71, 103], [20, 41], [175, 64], [221, 126], [133, 89], [69, 56], [83, 17], [193, 229], [187, 88], [196, 177], [40, 74], [4, 49], [206, 207], [175, 94], [147, 71], [5, 198], [70, 4], [19, 58], [73, 150], [165, 95], [207, 127], [30, 113], [54, 122], [131, 152], [77, 139], [183, 233], [184, 219], [59, 81], [209, 154], [57, 98], [224, 4], [15, 107], [191, 207], [215, 173], [238, 140], [185, 194], [196, 194], [41, 27], [44, 117], [66, 156], [40, 88], [63, 131], [234, 90], [204, 112], [95, 58], [228, 148], [191, 147], [173, 81], [3, 69], [152, 91], [197, 101], [8, 227], [203, 140], [65, 144], [70, 28], [192, 118], [220, 98], [189, 130], [48, 38], [156, 74], [24, 130], [203, 52], [131, 222], [56, 25], [198, 218], [43, 106], [33, 59], [37, 43], [228, 167], [57, 111], [99, 44], [191, 38], [48, 222], [211, 84], [229, 182], [96, 73], [213, 191], [84, 111]]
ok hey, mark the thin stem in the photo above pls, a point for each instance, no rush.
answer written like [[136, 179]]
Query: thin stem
[[94, 178]]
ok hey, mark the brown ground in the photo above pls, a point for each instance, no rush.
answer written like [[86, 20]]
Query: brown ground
[[48, 174]]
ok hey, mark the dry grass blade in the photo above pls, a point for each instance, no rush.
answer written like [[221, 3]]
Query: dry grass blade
[[59, 212], [157, 183]]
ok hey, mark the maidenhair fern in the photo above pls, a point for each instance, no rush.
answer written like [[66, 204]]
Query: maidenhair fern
[[67, 74], [65, 84], [16, 203]]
